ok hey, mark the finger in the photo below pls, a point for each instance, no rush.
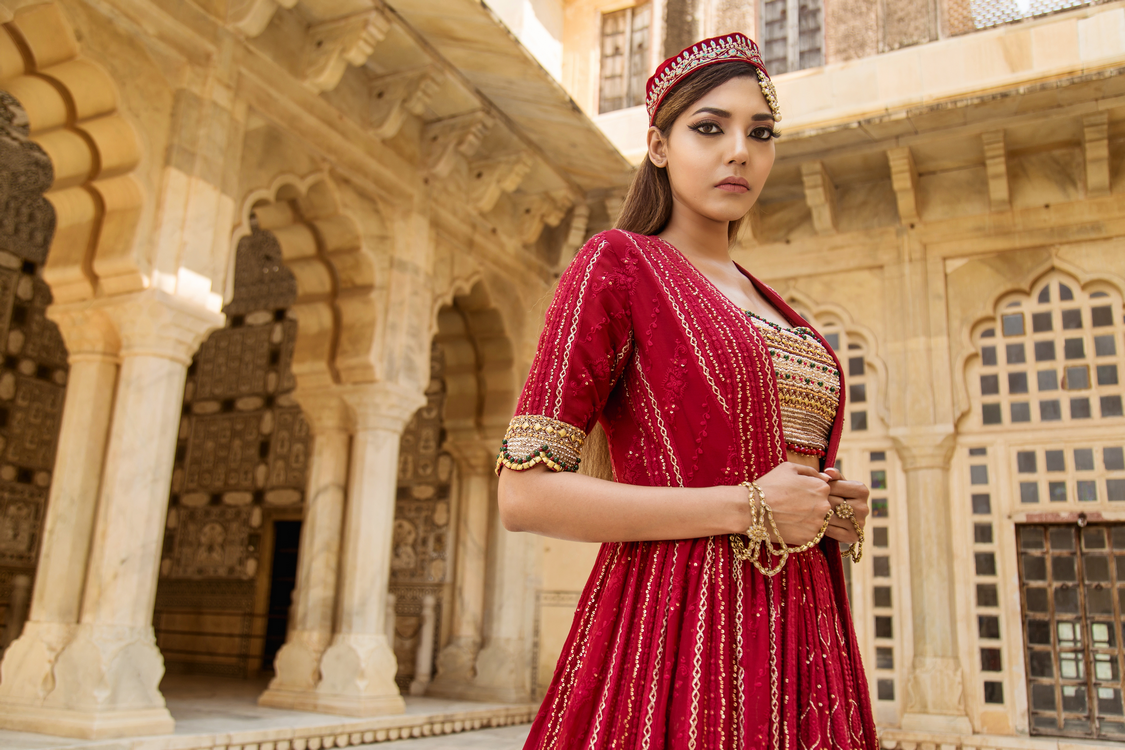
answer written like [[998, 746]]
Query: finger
[[834, 473], [808, 471], [848, 489], [848, 536]]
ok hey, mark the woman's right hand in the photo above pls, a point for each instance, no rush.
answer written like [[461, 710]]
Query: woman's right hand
[[798, 497]]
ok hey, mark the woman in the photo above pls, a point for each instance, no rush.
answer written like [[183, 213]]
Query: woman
[[687, 635]]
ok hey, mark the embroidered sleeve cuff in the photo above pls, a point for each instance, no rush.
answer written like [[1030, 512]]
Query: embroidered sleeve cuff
[[534, 440]]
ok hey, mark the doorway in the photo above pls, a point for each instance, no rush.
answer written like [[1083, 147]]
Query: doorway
[[283, 579]]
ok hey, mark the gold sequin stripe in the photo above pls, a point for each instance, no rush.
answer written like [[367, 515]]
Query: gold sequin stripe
[[534, 439], [658, 659]]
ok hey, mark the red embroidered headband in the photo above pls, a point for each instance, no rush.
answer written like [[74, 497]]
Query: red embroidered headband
[[717, 49]]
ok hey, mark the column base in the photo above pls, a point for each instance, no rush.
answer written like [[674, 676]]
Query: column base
[[503, 672], [101, 683], [456, 670], [358, 677], [935, 697]]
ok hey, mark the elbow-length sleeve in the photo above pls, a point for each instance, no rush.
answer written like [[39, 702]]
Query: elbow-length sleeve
[[585, 344]]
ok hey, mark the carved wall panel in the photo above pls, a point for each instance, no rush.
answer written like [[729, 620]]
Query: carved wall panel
[[243, 450], [33, 368], [422, 552]]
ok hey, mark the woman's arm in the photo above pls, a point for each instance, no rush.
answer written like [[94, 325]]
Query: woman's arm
[[571, 506]]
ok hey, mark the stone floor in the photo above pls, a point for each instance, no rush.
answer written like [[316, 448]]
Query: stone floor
[[214, 712]]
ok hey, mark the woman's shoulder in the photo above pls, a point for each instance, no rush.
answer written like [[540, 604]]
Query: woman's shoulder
[[616, 246]]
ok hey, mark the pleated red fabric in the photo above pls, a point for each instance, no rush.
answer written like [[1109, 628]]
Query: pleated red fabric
[[675, 644]]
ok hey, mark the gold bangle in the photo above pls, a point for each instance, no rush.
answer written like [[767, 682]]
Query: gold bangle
[[855, 551]]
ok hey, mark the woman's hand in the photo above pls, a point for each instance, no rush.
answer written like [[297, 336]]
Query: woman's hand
[[799, 498], [854, 494]]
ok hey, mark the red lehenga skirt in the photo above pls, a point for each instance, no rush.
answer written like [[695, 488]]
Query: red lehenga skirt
[[676, 645]]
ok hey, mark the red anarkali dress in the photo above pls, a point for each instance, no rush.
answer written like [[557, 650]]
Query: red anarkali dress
[[675, 644]]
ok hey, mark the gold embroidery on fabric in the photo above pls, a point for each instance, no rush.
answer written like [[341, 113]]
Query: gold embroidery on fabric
[[657, 661], [808, 387], [666, 441], [532, 439], [576, 317], [700, 630]]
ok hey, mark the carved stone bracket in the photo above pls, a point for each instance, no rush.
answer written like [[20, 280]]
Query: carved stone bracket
[[904, 177], [494, 177], [576, 236], [460, 136], [541, 209], [996, 166], [926, 448], [333, 45], [398, 95], [251, 17], [1095, 134], [820, 194]]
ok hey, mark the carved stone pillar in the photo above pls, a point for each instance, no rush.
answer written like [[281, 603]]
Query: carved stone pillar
[[105, 679], [297, 664], [358, 669], [456, 664], [92, 344], [504, 663], [935, 691]]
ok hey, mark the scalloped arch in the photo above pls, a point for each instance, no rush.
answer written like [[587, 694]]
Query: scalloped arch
[[337, 324], [479, 360], [72, 108], [1000, 294]]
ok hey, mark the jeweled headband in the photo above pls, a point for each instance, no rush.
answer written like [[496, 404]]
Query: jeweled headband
[[718, 49]]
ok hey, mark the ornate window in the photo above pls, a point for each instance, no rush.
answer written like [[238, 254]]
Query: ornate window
[[1073, 582], [1051, 359], [793, 35], [626, 36]]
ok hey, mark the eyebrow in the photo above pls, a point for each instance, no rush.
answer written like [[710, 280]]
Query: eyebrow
[[723, 113]]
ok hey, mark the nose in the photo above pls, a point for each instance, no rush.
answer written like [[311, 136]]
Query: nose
[[739, 153]]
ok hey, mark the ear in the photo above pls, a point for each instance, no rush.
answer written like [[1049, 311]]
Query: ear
[[657, 147]]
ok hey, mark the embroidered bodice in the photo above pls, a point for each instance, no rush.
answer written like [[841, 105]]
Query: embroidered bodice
[[808, 385]]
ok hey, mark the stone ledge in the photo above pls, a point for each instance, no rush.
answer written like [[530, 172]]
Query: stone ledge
[[332, 732]]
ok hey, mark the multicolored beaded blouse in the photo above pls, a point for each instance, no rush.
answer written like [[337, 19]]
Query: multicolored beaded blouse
[[808, 385]]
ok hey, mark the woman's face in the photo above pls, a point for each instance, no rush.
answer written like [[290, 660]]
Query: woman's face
[[719, 151]]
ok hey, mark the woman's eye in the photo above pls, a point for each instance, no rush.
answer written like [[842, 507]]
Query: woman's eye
[[763, 134], [707, 128]]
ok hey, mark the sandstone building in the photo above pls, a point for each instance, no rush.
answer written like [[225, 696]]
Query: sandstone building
[[272, 275]]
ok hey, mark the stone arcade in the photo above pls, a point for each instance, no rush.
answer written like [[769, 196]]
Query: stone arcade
[[283, 259]]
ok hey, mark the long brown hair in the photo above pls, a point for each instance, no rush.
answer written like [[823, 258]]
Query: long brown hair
[[648, 208]]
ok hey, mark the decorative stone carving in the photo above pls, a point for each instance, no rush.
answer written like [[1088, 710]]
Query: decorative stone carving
[[393, 97], [251, 17], [904, 178], [535, 211], [27, 219], [996, 167], [333, 45], [242, 439], [820, 194], [1095, 136], [489, 179], [460, 136]]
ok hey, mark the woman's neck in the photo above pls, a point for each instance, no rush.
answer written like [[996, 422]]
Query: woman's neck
[[699, 238]]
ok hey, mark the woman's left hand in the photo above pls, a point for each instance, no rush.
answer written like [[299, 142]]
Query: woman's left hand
[[854, 494]]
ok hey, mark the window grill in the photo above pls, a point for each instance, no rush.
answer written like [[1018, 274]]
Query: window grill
[[793, 35], [1072, 582], [963, 16]]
